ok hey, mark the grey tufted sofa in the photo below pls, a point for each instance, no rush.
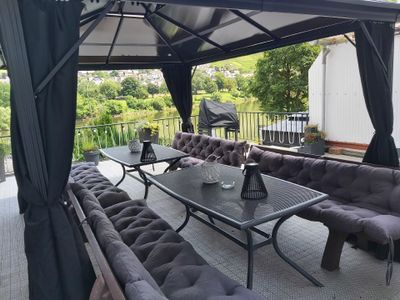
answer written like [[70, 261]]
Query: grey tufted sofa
[[199, 147], [150, 260], [363, 199]]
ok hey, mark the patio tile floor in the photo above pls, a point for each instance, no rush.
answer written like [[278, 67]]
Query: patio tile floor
[[361, 275]]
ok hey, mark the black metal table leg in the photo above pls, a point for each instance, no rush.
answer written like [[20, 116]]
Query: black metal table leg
[[250, 258], [145, 181], [287, 259], [187, 217], [123, 175]]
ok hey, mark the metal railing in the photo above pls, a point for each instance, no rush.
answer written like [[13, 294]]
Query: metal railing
[[268, 128]]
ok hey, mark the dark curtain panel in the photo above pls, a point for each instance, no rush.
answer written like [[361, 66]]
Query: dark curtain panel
[[35, 36], [375, 42], [178, 78]]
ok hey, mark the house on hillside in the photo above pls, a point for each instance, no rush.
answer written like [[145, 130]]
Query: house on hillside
[[344, 115]]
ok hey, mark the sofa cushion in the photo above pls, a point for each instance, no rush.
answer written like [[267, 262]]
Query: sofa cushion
[[103, 229], [161, 250], [199, 147], [169, 258], [131, 273], [86, 198], [381, 228], [190, 162], [89, 176], [363, 198], [193, 282]]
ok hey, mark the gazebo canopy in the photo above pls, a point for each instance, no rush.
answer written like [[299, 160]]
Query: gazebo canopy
[[149, 35], [40, 39]]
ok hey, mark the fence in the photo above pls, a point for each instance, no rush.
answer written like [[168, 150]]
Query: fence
[[269, 128]]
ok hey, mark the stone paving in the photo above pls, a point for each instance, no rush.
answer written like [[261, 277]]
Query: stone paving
[[361, 276]]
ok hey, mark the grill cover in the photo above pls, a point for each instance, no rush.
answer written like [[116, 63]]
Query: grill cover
[[216, 114]]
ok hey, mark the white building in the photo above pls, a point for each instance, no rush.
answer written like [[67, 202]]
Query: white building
[[346, 120]]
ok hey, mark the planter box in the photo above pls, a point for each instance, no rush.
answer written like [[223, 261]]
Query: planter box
[[314, 149], [92, 156], [145, 135]]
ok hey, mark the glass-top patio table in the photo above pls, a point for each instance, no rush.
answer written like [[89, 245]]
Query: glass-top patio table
[[284, 200], [131, 162]]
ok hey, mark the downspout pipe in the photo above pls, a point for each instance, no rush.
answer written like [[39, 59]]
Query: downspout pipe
[[325, 53]]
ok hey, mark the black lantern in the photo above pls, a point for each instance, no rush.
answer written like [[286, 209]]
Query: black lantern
[[148, 154], [253, 185]]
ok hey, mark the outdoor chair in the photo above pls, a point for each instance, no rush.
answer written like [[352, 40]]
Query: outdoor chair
[[363, 199], [149, 259]]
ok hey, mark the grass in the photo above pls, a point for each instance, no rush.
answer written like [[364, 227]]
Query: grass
[[245, 64], [225, 97]]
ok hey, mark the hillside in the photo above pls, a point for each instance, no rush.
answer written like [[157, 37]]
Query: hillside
[[246, 64]]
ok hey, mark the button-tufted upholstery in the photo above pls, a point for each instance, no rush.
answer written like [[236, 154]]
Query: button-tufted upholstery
[[362, 198], [199, 147], [172, 262]]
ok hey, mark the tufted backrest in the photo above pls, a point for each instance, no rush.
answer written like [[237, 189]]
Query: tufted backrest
[[366, 185], [87, 175], [201, 146]]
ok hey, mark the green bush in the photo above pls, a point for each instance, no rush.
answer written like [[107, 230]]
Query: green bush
[[4, 150], [103, 118], [158, 104], [116, 107], [168, 101], [216, 96], [86, 107], [4, 94], [4, 118], [138, 104]]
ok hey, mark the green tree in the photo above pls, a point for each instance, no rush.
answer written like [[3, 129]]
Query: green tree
[[4, 94], [209, 85], [114, 73], [86, 107], [110, 89], [101, 74], [132, 87], [281, 79], [198, 81], [87, 88], [153, 89], [229, 84], [241, 82], [220, 80], [164, 88]]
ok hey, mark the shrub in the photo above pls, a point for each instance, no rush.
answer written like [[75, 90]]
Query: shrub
[[139, 104], [158, 104], [116, 107]]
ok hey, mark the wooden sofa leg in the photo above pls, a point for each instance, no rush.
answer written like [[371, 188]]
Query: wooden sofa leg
[[100, 290], [333, 250]]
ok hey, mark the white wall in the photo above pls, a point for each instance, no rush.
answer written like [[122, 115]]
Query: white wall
[[346, 117]]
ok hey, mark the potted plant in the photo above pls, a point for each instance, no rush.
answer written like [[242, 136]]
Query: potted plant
[[90, 152], [148, 131], [314, 141], [3, 150]]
